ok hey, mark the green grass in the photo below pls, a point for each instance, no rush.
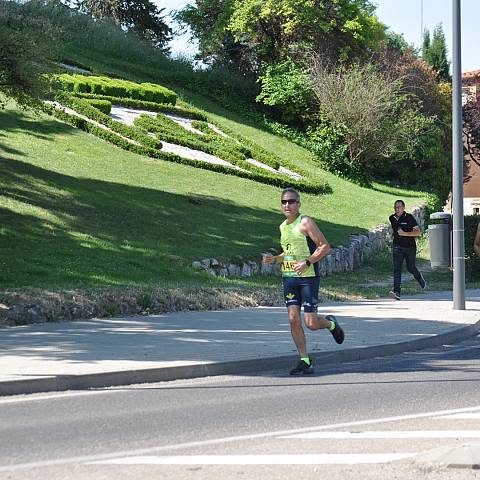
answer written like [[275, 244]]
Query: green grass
[[78, 212]]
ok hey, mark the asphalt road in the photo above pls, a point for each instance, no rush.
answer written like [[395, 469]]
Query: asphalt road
[[375, 419]]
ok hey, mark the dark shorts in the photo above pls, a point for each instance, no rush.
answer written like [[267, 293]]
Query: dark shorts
[[301, 291]]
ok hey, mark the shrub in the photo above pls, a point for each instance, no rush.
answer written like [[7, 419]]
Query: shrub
[[103, 105], [186, 112], [169, 131], [117, 88], [286, 88]]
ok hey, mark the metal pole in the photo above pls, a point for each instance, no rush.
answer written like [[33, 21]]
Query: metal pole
[[457, 159], [421, 23]]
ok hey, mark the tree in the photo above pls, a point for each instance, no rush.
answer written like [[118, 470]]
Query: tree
[[27, 44], [138, 16], [435, 53], [471, 130], [419, 79], [280, 29], [264, 32], [426, 45], [382, 132], [208, 21]]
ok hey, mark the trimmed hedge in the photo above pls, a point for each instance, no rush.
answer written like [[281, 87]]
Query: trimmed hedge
[[204, 127], [148, 92], [103, 105], [472, 260], [167, 130], [191, 113], [226, 148], [81, 106], [274, 180], [259, 153]]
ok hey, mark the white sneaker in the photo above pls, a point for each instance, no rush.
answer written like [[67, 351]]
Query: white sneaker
[[394, 295]]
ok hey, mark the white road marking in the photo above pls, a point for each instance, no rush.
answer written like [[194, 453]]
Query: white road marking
[[53, 396], [461, 416], [239, 438], [390, 434], [307, 459]]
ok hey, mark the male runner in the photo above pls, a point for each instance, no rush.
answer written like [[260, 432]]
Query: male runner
[[303, 245], [405, 231]]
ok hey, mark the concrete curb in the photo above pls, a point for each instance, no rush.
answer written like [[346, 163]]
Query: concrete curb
[[60, 383]]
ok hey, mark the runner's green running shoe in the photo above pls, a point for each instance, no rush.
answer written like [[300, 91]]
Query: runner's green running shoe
[[337, 333], [302, 368]]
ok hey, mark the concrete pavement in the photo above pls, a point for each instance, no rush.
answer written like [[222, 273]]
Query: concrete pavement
[[119, 351]]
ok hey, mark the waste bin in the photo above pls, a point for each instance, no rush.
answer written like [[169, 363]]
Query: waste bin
[[440, 239]]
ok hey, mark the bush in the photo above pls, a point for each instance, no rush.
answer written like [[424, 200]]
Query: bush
[[472, 260], [286, 88], [181, 111], [117, 88], [103, 105]]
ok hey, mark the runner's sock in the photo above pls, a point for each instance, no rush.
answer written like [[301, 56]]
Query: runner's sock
[[306, 360], [332, 325]]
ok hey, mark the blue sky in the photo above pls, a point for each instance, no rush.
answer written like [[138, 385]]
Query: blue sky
[[402, 16]]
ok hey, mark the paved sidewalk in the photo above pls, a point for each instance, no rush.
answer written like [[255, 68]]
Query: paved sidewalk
[[107, 352]]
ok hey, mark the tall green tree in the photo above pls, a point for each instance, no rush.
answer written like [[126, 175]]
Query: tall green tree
[[208, 22], [435, 53], [270, 31], [141, 17], [27, 45], [280, 29], [426, 44]]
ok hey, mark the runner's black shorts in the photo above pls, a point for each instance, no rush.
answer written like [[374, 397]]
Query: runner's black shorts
[[302, 291]]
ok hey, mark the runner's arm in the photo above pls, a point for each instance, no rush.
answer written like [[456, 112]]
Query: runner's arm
[[310, 228], [414, 233]]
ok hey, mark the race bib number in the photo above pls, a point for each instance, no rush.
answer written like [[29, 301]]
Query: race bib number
[[288, 266]]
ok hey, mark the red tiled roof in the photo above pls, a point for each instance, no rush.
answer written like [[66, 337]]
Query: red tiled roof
[[471, 74]]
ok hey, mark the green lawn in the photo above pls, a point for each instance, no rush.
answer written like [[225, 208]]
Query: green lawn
[[78, 212]]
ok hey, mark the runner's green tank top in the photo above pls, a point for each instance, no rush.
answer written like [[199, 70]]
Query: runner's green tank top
[[296, 248]]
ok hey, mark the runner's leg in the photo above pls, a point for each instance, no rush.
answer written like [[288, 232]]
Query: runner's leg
[[298, 334], [398, 256], [310, 294]]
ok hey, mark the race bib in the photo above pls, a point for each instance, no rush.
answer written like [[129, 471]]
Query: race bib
[[288, 266]]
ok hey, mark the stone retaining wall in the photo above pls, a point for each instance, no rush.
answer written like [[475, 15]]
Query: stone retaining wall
[[339, 259]]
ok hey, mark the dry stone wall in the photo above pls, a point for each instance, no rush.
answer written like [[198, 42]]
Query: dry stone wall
[[339, 259]]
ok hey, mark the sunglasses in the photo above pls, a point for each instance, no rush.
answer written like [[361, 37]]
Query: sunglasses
[[290, 201]]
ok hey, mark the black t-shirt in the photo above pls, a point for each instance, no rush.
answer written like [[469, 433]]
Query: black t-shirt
[[406, 222]]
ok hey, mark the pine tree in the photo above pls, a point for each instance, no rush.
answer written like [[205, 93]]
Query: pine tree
[[434, 52], [426, 45]]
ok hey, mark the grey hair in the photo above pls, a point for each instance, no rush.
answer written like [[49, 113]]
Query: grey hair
[[291, 190]]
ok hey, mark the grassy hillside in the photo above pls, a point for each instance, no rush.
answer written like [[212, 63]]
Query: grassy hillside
[[78, 212]]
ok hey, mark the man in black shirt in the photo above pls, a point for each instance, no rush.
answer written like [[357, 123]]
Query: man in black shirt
[[405, 230]]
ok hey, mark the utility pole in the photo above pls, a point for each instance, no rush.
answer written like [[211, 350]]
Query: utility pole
[[421, 22], [457, 167]]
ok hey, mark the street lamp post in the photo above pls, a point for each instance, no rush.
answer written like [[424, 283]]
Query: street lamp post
[[457, 167]]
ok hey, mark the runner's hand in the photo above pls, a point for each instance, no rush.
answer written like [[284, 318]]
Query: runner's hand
[[300, 267]]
